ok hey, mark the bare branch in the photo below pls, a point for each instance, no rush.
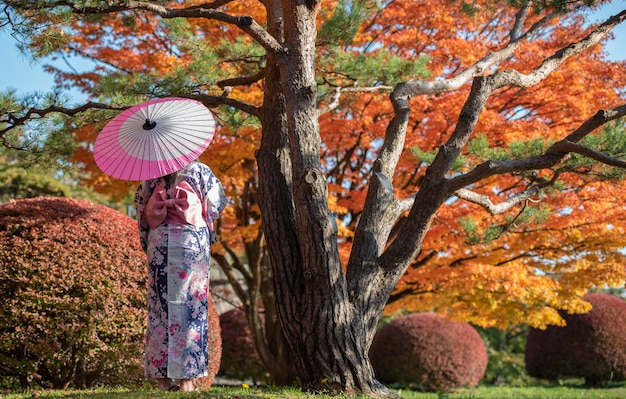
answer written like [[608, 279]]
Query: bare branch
[[520, 18], [600, 118], [213, 4], [381, 203], [395, 136], [334, 103], [482, 88], [413, 88], [228, 270], [494, 209], [515, 78], [237, 265], [81, 9], [350, 89], [418, 87], [36, 113], [32, 114]]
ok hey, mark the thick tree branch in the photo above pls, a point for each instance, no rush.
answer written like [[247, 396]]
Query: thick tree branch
[[553, 155], [482, 89], [406, 203], [381, 203], [434, 186], [380, 212], [568, 146], [243, 80], [206, 11], [213, 4], [600, 118], [520, 18], [417, 87], [395, 135], [515, 78]]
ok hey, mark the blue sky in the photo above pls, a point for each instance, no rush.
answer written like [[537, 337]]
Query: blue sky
[[18, 72]]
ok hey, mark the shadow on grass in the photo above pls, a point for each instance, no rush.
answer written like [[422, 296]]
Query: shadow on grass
[[150, 393]]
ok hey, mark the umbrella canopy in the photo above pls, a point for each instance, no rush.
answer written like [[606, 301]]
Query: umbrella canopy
[[154, 138]]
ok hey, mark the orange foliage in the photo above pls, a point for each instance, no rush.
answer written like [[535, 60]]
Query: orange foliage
[[529, 271], [537, 266], [523, 275]]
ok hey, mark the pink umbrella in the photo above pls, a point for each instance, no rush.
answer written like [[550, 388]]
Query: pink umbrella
[[154, 138]]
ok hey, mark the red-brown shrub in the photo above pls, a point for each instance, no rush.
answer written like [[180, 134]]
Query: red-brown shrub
[[590, 346], [425, 351], [215, 346], [240, 359], [72, 277]]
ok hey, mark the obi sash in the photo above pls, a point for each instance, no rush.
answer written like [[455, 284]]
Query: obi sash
[[183, 208]]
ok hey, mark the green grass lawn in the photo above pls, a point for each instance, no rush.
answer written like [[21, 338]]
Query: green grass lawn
[[218, 392]]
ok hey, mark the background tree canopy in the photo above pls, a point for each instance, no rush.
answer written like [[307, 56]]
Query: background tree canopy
[[463, 158]]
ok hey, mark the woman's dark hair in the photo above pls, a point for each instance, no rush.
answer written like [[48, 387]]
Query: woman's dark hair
[[170, 179]]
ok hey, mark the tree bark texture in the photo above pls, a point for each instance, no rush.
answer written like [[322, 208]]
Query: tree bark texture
[[323, 327]]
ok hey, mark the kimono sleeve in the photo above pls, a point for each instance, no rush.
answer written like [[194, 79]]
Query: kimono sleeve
[[214, 201]]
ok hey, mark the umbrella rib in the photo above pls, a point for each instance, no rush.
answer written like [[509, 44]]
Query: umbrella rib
[[178, 141]]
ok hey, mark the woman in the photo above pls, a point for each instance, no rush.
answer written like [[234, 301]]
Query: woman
[[175, 214]]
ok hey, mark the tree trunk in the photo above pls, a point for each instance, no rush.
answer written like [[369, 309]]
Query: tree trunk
[[324, 330], [280, 366]]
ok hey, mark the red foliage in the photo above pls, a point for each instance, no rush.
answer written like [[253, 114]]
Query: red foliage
[[240, 359], [591, 345], [426, 351], [72, 277]]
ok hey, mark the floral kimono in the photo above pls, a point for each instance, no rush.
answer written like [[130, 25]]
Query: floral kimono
[[176, 231]]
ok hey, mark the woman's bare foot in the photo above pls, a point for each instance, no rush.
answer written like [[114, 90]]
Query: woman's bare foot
[[164, 384], [187, 385]]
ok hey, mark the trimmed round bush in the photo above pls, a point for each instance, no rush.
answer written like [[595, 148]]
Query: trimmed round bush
[[425, 351], [591, 345], [240, 359], [72, 278]]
